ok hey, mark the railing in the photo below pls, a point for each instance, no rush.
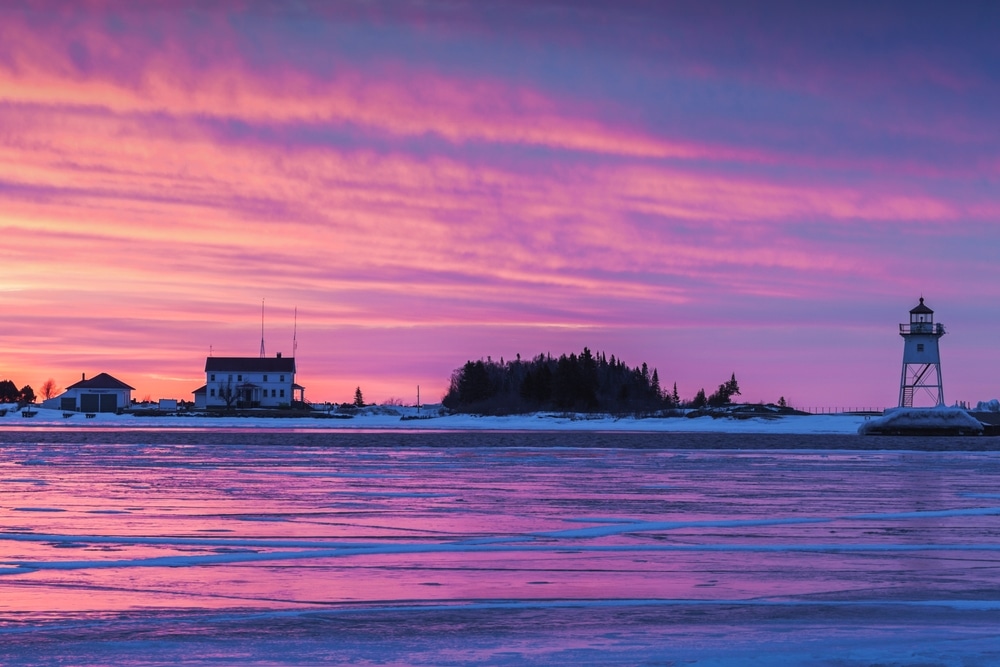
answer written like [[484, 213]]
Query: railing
[[843, 411], [921, 328]]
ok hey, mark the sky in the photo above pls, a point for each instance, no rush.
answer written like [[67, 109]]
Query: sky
[[758, 188]]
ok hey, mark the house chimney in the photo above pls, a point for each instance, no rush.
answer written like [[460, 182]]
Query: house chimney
[[83, 376], [279, 355]]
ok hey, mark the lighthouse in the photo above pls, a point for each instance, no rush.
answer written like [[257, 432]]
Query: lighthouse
[[921, 357]]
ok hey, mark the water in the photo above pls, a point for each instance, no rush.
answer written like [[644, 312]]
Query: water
[[243, 547]]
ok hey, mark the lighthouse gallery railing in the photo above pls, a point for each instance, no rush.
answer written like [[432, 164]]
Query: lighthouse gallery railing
[[922, 328]]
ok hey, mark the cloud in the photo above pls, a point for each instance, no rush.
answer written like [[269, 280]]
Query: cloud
[[162, 171]]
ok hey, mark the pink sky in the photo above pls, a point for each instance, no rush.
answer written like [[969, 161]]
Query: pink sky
[[763, 191]]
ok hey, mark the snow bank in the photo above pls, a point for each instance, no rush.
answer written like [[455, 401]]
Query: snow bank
[[940, 420], [988, 406], [428, 419]]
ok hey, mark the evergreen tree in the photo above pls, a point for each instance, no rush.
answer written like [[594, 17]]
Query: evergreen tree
[[26, 396], [8, 392], [725, 393], [733, 387], [586, 382], [699, 400], [359, 399]]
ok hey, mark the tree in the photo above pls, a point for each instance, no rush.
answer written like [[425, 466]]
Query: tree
[[782, 403], [228, 393], [8, 392], [584, 382], [699, 399], [675, 398], [733, 387], [725, 393], [474, 385], [49, 389], [359, 399], [26, 396]]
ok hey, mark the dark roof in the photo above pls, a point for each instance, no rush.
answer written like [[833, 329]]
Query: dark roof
[[921, 309], [250, 365], [102, 381], [203, 389]]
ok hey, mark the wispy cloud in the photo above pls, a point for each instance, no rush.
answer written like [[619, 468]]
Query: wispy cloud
[[163, 170]]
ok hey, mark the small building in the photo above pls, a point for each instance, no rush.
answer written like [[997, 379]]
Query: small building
[[249, 382], [101, 393]]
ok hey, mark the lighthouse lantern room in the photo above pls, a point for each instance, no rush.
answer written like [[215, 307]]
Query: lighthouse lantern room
[[921, 357]]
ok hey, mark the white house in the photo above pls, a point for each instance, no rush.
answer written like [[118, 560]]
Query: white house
[[249, 382], [101, 393]]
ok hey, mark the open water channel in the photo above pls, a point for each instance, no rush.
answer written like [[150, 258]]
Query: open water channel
[[243, 547]]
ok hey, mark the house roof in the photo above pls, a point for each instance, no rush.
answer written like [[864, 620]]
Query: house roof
[[250, 365], [101, 381], [203, 389]]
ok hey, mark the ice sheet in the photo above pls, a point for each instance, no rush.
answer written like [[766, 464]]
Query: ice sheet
[[298, 553]]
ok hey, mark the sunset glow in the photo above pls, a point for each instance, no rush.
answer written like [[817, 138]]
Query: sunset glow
[[765, 190]]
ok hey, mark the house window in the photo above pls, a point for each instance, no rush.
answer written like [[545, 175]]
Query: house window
[[282, 393], [230, 377], [920, 347], [239, 378], [273, 393], [213, 377], [212, 392], [265, 378], [282, 378]]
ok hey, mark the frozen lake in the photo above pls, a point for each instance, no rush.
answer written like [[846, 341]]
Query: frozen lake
[[243, 547]]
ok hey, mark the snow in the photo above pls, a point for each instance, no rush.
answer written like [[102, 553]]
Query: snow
[[988, 406], [428, 419], [924, 419]]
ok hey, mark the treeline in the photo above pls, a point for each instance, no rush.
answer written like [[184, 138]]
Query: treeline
[[9, 393], [582, 382]]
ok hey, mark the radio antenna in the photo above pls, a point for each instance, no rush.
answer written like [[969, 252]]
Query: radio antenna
[[262, 355]]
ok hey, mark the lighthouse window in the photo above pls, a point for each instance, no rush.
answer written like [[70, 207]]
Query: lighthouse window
[[920, 347]]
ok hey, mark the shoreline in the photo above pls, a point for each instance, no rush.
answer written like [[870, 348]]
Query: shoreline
[[338, 440], [788, 431], [406, 419]]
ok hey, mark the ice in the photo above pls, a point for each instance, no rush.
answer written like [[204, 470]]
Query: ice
[[267, 547]]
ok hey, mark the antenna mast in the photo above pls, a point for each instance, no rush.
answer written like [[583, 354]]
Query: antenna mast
[[262, 355]]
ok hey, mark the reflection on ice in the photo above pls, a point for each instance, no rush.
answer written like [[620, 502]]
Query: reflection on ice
[[550, 554]]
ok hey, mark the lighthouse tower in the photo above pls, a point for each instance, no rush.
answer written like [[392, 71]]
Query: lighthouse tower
[[921, 357]]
